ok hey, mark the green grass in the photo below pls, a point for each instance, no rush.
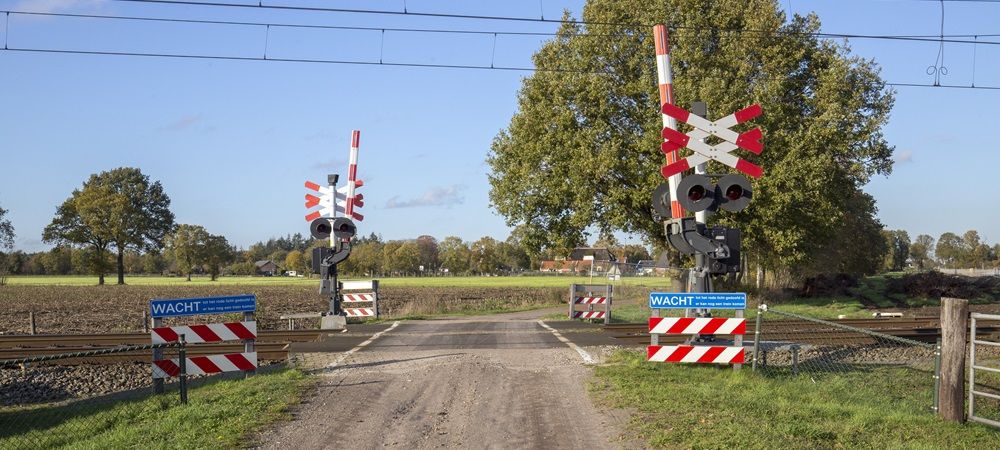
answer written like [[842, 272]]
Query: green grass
[[219, 414], [511, 281], [688, 406]]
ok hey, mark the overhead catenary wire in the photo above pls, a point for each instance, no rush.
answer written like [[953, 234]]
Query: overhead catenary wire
[[918, 38], [261, 6], [267, 25], [383, 63]]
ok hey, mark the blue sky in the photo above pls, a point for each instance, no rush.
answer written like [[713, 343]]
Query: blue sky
[[233, 141]]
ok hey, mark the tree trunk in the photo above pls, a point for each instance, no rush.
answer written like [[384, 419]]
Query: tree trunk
[[189, 275], [100, 278], [121, 266]]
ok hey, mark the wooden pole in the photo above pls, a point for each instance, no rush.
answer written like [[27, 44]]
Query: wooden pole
[[31, 322], [954, 326]]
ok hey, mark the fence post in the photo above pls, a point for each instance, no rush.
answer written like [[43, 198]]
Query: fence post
[[145, 321], [182, 364], [756, 336], [954, 325], [31, 322], [795, 359], [937, 376]]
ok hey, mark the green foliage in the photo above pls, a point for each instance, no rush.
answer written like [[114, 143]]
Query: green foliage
[[6, 243], [118, 208], [485, 255], [193, 248], [920, 252], [898, 244], [6, 231], [455, 255], [582, 152]]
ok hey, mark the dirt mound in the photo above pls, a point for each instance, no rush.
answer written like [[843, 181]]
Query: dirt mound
[[832, 285], [937, 284]]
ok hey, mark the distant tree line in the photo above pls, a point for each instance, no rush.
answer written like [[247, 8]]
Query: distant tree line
[[950, 251]]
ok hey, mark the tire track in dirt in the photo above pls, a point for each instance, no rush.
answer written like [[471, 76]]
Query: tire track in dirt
[[421, 386]]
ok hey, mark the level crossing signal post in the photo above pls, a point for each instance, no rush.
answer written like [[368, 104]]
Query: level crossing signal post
[[716, 248], [325, 224]]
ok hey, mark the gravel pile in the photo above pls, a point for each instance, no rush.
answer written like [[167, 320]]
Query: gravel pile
[[42, 384], [52, 383]]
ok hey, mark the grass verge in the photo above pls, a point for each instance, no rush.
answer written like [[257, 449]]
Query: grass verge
[[709, 407], [219, 414]]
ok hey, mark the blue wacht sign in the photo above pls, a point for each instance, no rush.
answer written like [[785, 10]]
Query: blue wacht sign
[[681, 300], [205, 305]]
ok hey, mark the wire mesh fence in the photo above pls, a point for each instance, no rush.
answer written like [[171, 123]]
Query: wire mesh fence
[[901, 371], [54, 400]]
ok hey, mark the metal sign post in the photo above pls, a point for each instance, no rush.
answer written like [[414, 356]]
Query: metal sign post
[[245, 331]]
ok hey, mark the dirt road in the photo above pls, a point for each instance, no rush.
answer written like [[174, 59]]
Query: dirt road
[[482, 383]]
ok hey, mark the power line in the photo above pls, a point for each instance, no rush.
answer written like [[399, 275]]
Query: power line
[[383, 63], [919, 38]]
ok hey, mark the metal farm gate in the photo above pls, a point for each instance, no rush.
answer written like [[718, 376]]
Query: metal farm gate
[[979, 365]]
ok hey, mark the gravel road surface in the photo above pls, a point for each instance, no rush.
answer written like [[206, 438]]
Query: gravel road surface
[[486, 382]]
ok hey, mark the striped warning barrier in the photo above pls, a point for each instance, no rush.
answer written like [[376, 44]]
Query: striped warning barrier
[[695, 354], [590, 295], [359, 298], [214, 332], [369, 294], [206, 365], [696, 325], [359, 312]]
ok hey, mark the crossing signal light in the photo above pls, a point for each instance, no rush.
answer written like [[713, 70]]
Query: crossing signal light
[[697, 193], [341, 228], [736, 192]]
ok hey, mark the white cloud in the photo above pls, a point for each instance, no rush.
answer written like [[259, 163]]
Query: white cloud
[[435, 196], [182, 123], [902, 156]]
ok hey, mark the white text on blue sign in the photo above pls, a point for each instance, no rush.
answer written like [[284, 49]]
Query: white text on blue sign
[[681, 300], [206, 305]]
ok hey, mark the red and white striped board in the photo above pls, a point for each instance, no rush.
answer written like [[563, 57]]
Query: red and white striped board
[[353, 182], [749, 140], [665, 81], [588, 314], [695, 354], [590, 300], [205, 365], [359, 312], [696, 325], [359, 298], [214, 332]]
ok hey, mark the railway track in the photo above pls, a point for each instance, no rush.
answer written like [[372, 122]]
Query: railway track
[[270, 345], [802, 331]]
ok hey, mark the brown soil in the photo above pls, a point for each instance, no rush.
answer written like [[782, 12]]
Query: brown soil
[[119, 309]]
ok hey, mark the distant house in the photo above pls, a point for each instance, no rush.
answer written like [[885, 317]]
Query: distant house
[[265, 268], [599, 254]]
